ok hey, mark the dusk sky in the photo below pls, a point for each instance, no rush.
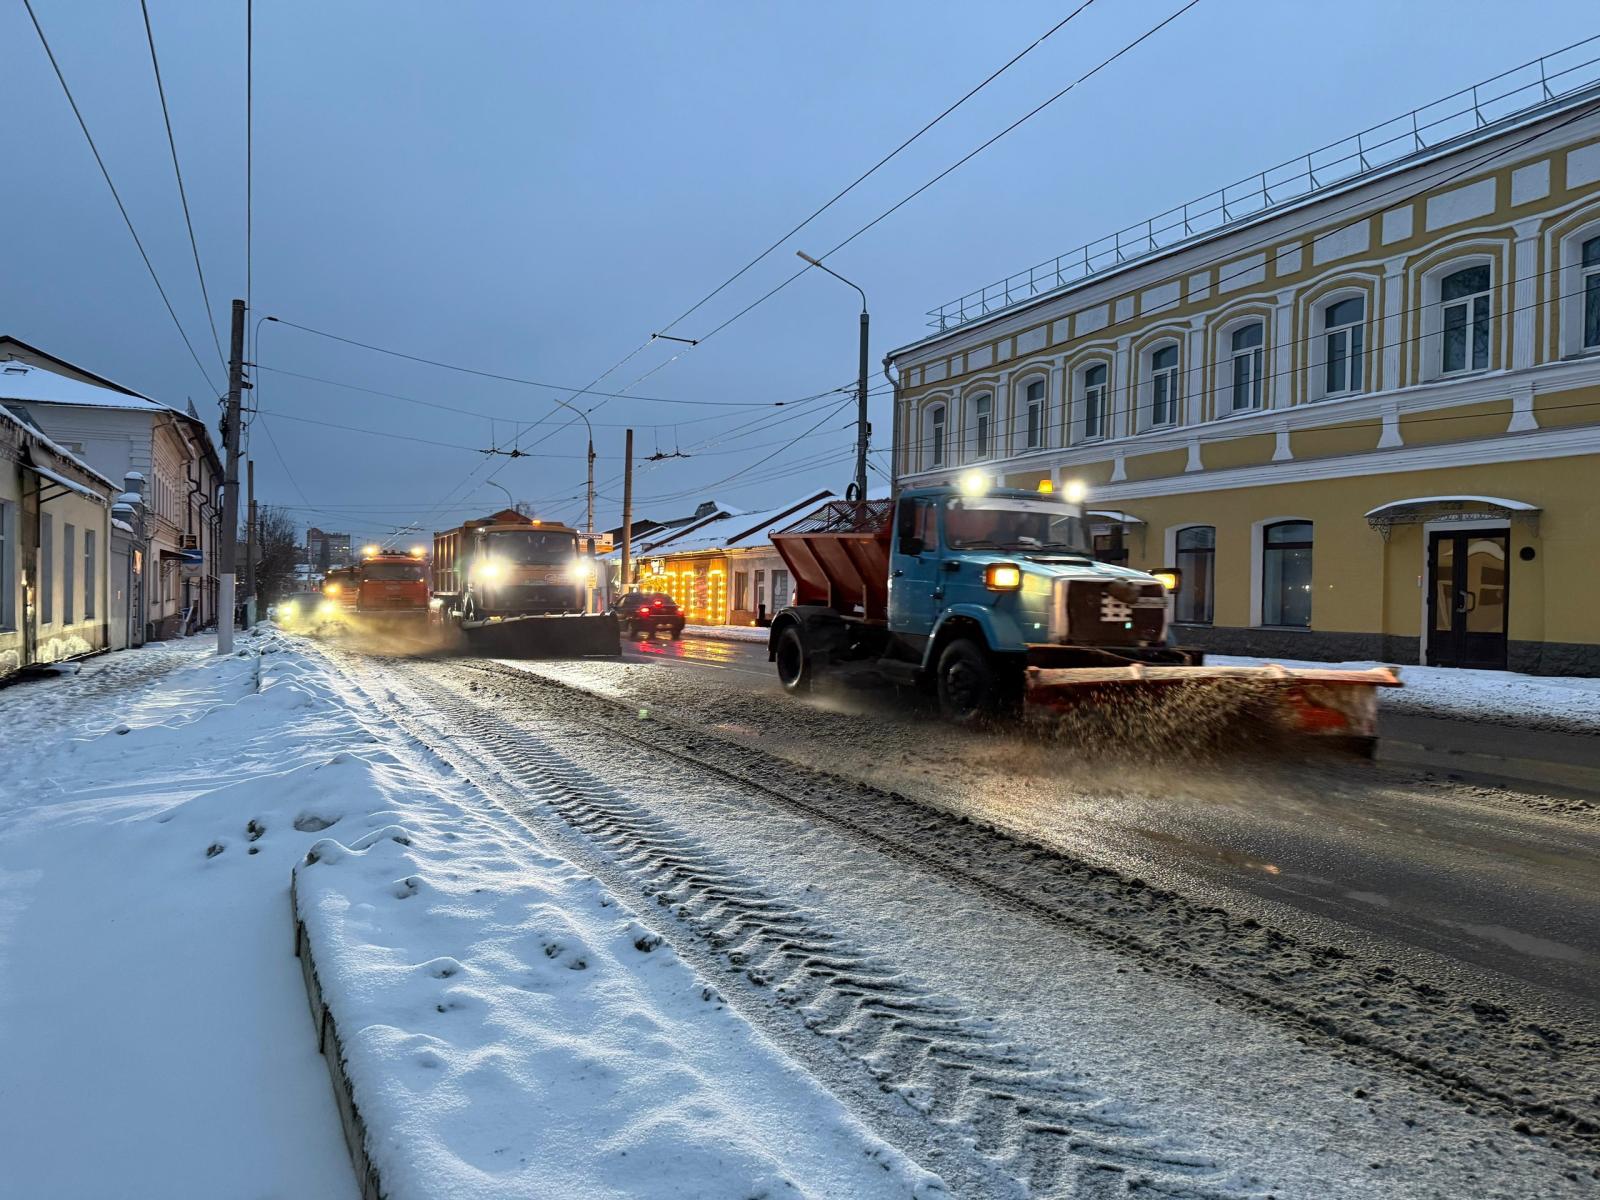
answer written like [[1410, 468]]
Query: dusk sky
[[532, 189]]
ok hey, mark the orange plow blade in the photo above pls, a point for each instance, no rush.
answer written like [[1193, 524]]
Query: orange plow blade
[[1306, 700]]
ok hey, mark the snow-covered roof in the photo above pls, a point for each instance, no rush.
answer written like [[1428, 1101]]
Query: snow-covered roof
[[23, 381], [736, 532], [40, 437]]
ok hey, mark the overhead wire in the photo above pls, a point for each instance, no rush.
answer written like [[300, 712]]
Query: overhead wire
[[115, 195], [183, 194]]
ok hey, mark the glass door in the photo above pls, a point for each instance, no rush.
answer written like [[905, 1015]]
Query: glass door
[[1468, 598]]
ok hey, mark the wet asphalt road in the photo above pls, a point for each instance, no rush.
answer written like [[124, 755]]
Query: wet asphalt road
[[1500, 890]]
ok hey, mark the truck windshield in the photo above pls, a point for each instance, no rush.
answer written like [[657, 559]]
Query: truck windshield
[[407, 570], [998, 523], [533, 546]]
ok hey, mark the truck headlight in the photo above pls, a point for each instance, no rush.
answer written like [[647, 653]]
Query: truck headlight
[[1170, 577], [289, 608], [486, 569], [1002, 577], [327, 608]]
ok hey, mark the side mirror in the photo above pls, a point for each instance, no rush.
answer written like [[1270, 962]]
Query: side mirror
[[911, 545]]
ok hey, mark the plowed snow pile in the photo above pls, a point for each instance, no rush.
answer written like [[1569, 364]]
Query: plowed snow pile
[[508, 1027]]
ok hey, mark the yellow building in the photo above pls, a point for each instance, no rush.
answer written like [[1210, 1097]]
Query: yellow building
[[1363, 418]]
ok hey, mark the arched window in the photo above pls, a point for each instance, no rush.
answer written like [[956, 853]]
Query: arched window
[[1286, 574], [1466, 303], [1093, 401], [1033, 398], [1164, 384], [1591, 294], [982, 412], [1197, 554], [933, 439], [1343, 346], [1245, 345]]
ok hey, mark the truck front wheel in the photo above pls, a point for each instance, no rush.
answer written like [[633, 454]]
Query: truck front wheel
[[970, 687], [794, 664]]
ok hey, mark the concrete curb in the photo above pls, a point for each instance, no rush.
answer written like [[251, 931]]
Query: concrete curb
[[331, 1046]]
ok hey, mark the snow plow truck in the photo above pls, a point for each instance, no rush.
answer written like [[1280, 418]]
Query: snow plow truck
[[516, 587], [988, 598]]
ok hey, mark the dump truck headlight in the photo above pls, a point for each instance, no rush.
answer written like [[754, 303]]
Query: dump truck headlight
[[486, 569], [1002, 577], [332, 589], [327, 608], [289, 608], [1170, 577]]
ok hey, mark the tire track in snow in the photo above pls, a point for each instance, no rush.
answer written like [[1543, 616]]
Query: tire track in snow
[[956, 1070], [1540, 1077]]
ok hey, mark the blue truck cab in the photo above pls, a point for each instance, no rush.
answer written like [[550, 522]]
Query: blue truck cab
[[982, 583]]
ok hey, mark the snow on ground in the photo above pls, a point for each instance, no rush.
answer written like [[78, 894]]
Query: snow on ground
[[152, 1021], [728, 633], [1492, 696], [510, 1028]]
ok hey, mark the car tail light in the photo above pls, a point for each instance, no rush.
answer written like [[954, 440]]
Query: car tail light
[[644, 612]]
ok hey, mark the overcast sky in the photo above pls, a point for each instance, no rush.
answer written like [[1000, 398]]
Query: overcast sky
[[533, 188]]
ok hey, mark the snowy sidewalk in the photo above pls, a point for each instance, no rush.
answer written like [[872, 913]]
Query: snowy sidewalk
[[508, 1026]]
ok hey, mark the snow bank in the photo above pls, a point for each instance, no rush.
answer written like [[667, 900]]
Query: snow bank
[[152, 1021], [1493, 696], [728, 633], [508, 1028]]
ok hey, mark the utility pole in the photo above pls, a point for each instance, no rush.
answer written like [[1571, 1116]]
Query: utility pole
[[627, 512], [228, 552], [250, 536], [862, 428]]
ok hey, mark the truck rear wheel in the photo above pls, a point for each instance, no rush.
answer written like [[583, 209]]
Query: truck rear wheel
[[969, 686], [794, 663]]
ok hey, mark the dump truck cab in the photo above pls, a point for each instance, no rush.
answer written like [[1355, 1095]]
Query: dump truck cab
[[1011, 569], [392, 584], [519, 586]]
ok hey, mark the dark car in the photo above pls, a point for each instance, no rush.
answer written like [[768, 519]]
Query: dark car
[[643, 614]]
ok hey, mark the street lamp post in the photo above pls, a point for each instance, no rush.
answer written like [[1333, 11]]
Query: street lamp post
[[510, 503], [862, 429]]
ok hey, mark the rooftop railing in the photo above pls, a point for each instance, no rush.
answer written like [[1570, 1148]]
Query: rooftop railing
[[1497, 101]]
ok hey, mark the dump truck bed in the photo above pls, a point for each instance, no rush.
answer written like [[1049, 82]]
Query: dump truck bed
[[839, 557]]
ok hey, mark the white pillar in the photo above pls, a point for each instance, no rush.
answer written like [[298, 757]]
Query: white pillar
[[1524, 292], [1280, 389], [1394, 302]]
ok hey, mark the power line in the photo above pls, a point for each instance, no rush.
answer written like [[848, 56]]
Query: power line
[[962, 161], [183, 194], [884, 161], [122, 208]]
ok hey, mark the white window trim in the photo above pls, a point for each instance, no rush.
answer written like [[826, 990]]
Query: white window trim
[[1147, 387], [1169, 542], [1080, 403], [1430, 344], [1223, 387], [970, 405], [1020, 388], [1317, 360], [1573, 277], [1258, 569]]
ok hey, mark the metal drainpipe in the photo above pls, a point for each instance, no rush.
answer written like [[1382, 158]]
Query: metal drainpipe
[[894, 429]]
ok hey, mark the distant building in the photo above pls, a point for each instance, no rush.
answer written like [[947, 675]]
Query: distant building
[[324, 550], [1355, 399], [721, 568], [162, 457]]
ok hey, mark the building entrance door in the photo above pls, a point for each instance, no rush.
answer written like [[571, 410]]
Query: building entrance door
[[1468, 598]]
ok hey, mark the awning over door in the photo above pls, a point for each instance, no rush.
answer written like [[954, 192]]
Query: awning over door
[[1419, 510], [50, 481], [1113, 516]]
